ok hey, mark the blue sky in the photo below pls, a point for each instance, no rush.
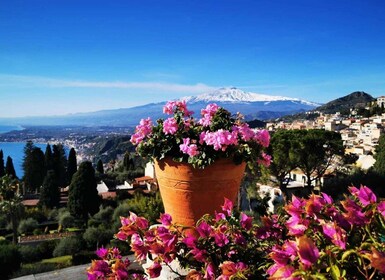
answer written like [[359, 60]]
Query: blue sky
[[65, 56]]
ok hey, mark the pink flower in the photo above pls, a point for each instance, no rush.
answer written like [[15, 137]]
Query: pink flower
[[314, 204], [246, 221], [210, 272], [297, 225], [207, 114], [204, 229], [142, 130], [165, 219], [263, 138], [190, 240], [307, 251], [364, 194], [102, 253], [228, 206], [246, 132], [200, 255], [381, 207], [336, 234], [220, 239], [138, 247], [173, 106], [154, 270], [282, 272], [170, 126], [186, 148], [220, 139], [353, 213]]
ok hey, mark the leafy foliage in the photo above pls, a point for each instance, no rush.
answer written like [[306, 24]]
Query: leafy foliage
[[71, 165], [68, 246], [50, 193], [10, 260], [34, 167], [83, 198], [9, 168], [27, 226]]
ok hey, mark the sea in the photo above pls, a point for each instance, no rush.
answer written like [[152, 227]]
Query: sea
[[16, 149]]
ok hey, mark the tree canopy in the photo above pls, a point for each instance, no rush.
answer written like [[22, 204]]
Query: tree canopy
[[312, 151], [83, 198], [379, 165], [34, 167], [50, 193], [2, 169], [9, 168], [71, 165]]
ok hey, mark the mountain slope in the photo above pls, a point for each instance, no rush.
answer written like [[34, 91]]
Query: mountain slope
[[251, 105], [357, 99]]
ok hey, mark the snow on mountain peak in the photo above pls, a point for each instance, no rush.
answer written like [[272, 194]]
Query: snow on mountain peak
[[234, 94]]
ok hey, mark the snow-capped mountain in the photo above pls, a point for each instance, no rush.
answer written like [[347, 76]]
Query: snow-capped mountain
[[236, 95], [251, 105]]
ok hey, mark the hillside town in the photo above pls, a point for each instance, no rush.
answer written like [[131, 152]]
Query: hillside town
[[359, 134]]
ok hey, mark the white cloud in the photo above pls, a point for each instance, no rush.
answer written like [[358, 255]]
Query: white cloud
[[45, 82]]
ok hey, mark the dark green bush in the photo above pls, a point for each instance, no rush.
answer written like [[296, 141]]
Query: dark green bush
[[29, 254], [83, 257], [10, 260], [27, 226], [97, 237], [34, 268], [46, 248], [124, 247], [68, 246]]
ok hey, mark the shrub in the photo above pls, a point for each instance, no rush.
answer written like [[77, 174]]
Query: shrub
[[30, 254], [96, 237], [27, 226], [68, 246], [66, 220], [10, 260], [46, 248], [36, 214], [34, 268]]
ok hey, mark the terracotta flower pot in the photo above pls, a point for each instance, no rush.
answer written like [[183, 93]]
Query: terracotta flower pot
[[189, 193]]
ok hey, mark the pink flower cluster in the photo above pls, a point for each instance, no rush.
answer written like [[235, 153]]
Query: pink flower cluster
[[314, 238], [142, 130], [317, 224], [170, 126], [173, 106], [187, 148], [220, 139], [208, 114], [111, 266]]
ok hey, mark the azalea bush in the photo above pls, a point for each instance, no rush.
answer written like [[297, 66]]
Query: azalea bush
[[217, 134], [311, 239]]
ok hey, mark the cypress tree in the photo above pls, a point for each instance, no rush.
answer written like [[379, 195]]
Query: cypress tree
[[83, 198], [34, 169], [99, 167], [48, 158], [72, 165], [2, 170], [379, 165], [59, 164], [50, 193], [9, 168]]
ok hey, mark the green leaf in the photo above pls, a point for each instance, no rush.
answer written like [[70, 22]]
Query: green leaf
[[335, 272], [347, 254]]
